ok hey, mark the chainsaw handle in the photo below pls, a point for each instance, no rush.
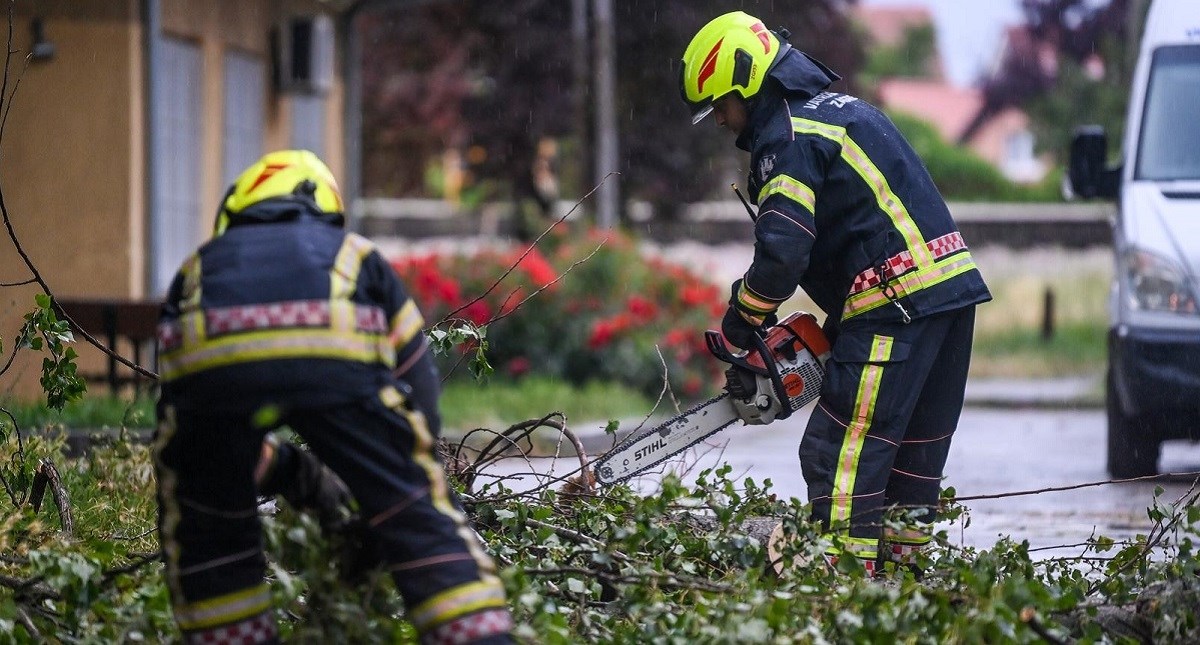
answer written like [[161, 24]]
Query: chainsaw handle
[[769, 369], [716, 345]]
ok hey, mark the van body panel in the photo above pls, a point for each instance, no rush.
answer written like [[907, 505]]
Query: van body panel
[[1154, 353], [1169, 226]]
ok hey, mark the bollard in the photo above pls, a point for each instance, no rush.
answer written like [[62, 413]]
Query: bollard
[[1048, 314]]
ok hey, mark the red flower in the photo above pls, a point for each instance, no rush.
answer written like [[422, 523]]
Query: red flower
[[621, 322], [678, 337], [477, 312], [642, 307], [602, 334], [695, 294], [535, 266], [448, 290]]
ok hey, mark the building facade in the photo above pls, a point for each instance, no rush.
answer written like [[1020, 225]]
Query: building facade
[[125, 120]]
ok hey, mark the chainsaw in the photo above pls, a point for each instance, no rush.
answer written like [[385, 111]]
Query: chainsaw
[[780, 375]]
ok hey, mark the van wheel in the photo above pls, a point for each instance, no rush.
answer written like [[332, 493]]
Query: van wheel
[[1133, 445]]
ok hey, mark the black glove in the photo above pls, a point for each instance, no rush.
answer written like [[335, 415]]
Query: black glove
[[738, 331], [735, 327]]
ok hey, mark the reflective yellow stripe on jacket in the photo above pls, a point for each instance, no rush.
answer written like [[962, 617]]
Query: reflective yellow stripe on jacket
[[929, 271], [335, 329]]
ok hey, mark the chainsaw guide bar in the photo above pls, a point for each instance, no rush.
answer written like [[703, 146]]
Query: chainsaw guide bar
[[782, 373], [645, 450]]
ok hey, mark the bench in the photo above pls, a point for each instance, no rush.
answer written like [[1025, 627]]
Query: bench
[[110, 320]]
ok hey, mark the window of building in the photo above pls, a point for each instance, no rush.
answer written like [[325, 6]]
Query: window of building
[[308, 123], [176, 159], [245, 88]]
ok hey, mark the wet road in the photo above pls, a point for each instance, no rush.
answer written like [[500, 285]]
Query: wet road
[[995, 451]]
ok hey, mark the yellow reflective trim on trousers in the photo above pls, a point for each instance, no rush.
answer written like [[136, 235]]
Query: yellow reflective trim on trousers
[[909, 283], [168, 483], [439, 490], [789, 187], [862, 548], [405, 324], [908, 536], [455, 602], [277, 344], [862, 164], [856, 433], [344, 275], [224, 609]]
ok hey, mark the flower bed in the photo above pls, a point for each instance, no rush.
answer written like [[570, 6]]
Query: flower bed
[[578, 307]]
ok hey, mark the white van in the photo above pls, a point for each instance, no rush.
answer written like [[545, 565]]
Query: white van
[[1153, 383]]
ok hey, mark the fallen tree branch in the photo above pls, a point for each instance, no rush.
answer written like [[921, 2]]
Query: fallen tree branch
[[45, 476]]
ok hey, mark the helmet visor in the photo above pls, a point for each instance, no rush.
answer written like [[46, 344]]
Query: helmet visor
[[698, 115]]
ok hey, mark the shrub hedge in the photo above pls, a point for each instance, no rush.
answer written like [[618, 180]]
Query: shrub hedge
[[619, 317]]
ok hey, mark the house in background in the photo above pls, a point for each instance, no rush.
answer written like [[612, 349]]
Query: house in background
[[1003, 139], [130, 119]]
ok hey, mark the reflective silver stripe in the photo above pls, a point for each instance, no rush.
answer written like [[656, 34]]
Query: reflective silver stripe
[[902, 262], [344, 276], [455, 602], [191, 283], [789, 187], [909, 283], [406, 323], [277, 344], [224, 609]]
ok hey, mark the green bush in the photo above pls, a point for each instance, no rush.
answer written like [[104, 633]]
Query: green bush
[[961, 175], [617, 317]]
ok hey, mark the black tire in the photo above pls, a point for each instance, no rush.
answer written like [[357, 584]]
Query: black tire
[[1133, 445]]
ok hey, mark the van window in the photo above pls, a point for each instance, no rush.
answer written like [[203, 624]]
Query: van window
[[1169, 147]]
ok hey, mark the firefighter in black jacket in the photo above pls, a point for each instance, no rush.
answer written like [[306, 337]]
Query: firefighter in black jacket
[[847, 211], [284, 318]]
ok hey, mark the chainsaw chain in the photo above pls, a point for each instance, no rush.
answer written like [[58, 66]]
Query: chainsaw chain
[[627, 441]]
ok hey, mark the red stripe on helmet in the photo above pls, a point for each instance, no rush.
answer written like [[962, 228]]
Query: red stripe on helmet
[[708, 67], [761, 31], [266, 174]]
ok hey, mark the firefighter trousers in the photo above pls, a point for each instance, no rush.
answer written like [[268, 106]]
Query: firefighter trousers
[[211, 535], [880, 433]]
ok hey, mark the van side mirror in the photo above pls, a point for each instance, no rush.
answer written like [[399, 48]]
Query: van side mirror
[[1086, 172]]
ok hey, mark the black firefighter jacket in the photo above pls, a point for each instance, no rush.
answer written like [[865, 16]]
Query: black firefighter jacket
[[292, 313], [847, 210]]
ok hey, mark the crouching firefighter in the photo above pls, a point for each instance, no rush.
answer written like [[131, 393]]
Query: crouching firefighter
[[284, 318]]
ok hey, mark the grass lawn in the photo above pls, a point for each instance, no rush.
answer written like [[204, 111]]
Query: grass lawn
[[1008, 330], [497, 403], [494, 404]]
